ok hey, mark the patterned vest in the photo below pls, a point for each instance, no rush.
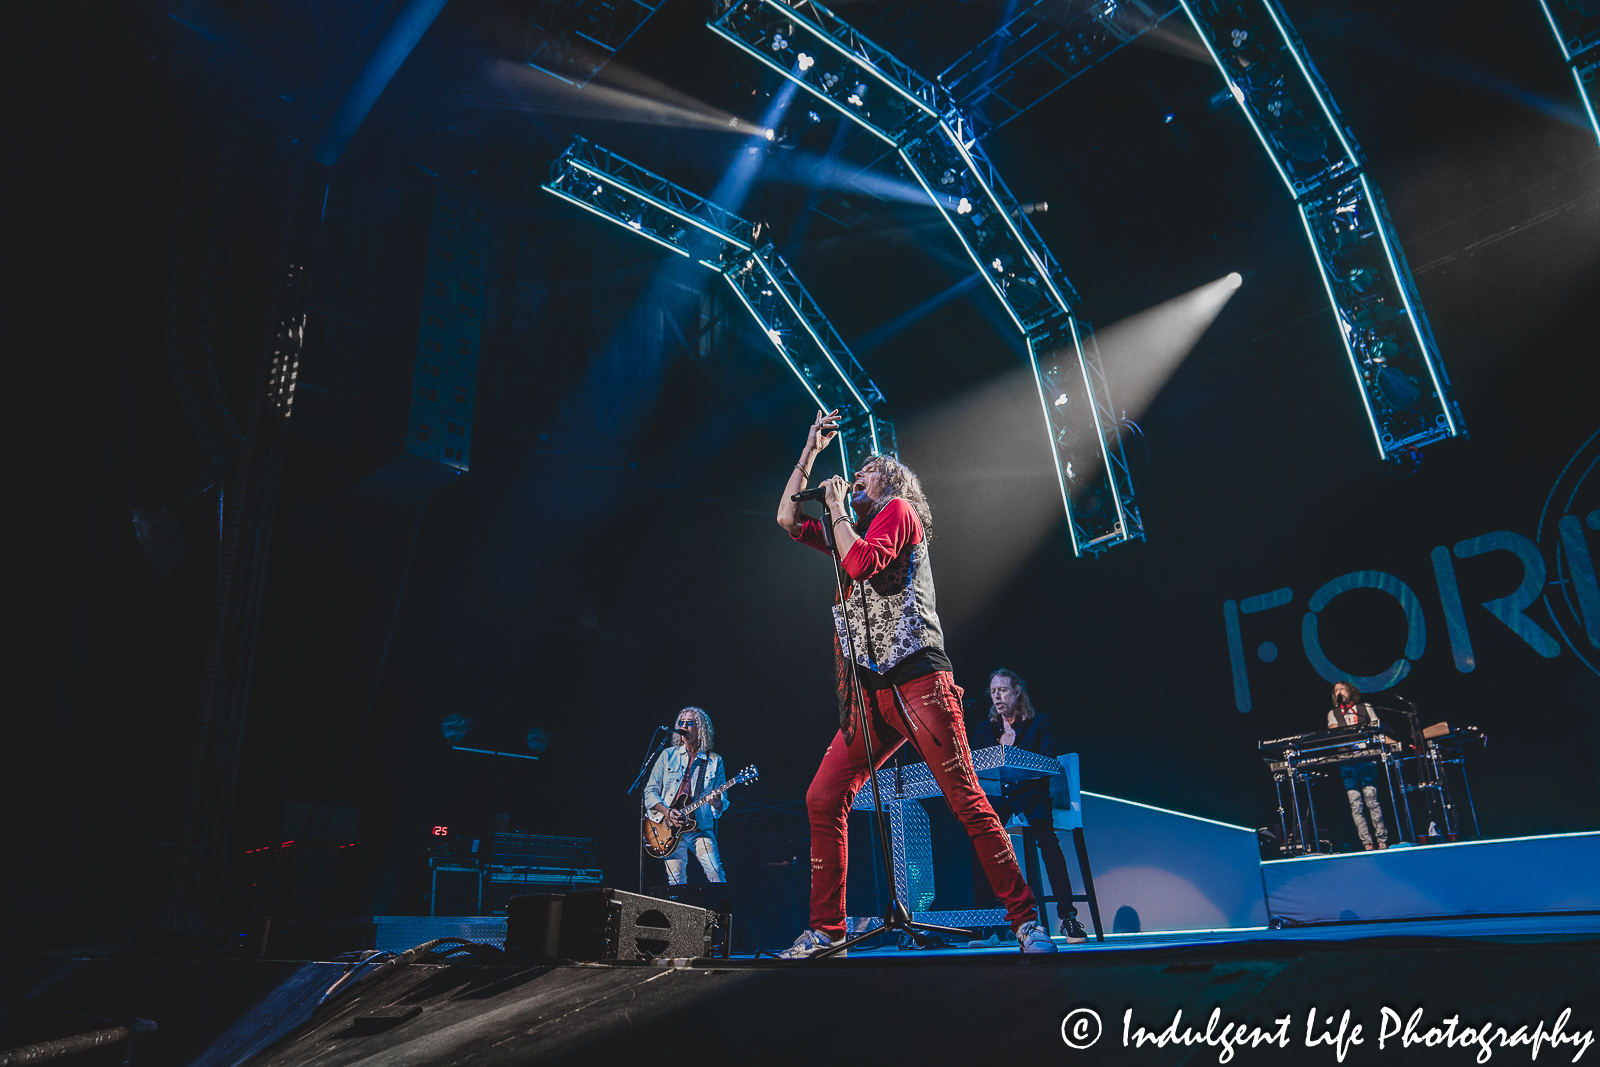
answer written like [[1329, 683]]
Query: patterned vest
[[898, 602]]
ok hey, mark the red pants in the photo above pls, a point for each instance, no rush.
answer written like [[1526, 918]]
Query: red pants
[[931, 720]]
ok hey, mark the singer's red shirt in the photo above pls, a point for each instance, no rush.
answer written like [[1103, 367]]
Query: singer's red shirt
[[892, 530]]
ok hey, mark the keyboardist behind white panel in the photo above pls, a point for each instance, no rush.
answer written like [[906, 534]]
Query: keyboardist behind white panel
[[1360, 779]]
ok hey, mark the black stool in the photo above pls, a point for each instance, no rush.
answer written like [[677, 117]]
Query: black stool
[[1030, 853]]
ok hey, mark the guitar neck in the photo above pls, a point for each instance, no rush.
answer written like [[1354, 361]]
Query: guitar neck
[[714, 794]]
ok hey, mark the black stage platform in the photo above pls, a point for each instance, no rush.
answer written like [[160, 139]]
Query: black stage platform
[[892, 1006]]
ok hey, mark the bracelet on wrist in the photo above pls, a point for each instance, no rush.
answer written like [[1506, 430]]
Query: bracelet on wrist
[[841, 518], [803, 472]]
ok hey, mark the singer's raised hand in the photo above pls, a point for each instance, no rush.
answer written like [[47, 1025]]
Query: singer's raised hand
[[823, 430]]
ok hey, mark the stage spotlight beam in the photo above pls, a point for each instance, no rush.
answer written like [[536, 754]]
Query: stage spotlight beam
[[1399, 373], [605, 184], [919, 121]]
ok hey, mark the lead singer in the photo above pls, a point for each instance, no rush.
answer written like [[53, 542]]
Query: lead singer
[[905, 676]]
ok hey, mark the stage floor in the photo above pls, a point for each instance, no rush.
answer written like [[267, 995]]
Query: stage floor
[[1532, 927], [898, 1006], [1510, 928]]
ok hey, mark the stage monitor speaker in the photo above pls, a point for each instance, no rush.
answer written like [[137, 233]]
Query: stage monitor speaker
[[607, 924], [716, 898]]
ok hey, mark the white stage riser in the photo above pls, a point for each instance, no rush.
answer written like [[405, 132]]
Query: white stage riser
[[1515, 876]]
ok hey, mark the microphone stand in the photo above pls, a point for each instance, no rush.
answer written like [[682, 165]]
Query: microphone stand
[[896, 919], [658, 742]]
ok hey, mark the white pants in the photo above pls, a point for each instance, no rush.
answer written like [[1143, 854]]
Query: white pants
[[704, 843]]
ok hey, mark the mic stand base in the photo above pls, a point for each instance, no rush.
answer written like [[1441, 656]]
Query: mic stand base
[[896, 920]]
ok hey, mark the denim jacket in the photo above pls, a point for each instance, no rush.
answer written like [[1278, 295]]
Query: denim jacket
[[667, 775]]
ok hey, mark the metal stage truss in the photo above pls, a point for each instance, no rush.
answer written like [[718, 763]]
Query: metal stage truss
[[648, 204], [1576, 24], [574, 40], [918, 119], [1042, 47], [1403, 384], [1038, 49]]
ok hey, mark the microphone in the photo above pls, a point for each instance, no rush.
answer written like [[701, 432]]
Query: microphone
[[676, 730], [809, 494]]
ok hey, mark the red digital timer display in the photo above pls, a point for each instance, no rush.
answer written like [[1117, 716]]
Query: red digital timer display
[[441, 831]]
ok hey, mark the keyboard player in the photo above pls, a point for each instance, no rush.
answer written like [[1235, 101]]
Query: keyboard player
[[1360, 779]]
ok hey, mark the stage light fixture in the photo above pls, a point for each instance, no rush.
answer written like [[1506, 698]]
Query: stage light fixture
[[1234, 280], [964, 207], [814, 117], [1398, 391], [804, 62], [854, 98], [771, 134]]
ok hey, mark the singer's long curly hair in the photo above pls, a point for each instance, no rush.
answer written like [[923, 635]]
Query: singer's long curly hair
[[903, 483], [1355, 694], [702, 727], [1024, 704]]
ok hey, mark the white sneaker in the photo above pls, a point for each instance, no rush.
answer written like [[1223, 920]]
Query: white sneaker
[[1034, 939], [808, 944]]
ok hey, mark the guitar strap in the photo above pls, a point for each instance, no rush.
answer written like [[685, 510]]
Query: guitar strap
[[694, 776]]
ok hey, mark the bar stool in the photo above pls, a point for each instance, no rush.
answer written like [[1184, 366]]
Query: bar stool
[[1067, 813]]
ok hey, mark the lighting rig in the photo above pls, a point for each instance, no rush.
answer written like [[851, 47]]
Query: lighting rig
[[1404, 387], [648, 204], [1039, 49], [1576, 24], [1032, 55], [919, 120], [573, 41]]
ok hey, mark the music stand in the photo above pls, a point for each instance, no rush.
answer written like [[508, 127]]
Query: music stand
[[896, 919]]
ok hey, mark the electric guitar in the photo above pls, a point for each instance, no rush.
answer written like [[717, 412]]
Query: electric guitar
[[661, 838]]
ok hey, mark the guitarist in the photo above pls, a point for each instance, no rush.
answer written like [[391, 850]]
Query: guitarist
[[687, 770]]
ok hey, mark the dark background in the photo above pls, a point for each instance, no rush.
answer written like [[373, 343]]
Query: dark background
[[611, 555]]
